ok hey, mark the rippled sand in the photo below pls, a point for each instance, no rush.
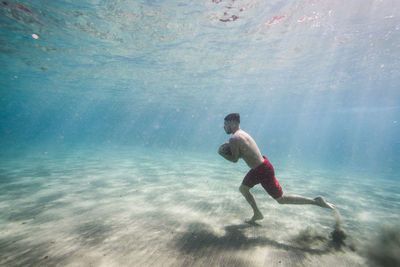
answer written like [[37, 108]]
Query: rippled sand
[[163, 208]]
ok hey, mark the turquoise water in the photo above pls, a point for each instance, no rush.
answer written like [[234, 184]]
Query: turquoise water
[[111, 113]]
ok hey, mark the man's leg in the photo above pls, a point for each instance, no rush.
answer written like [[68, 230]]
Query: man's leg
[[245, 190], [300, 200]]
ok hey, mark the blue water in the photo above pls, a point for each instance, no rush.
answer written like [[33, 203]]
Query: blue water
[[87, 86]]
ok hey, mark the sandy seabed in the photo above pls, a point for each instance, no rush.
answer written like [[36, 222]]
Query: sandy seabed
[[163, 208]]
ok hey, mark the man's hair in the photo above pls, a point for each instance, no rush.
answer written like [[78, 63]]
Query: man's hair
[[233, 117]]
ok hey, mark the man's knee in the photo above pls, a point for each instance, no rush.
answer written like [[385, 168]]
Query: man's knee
[[244, 189], [280, 200]]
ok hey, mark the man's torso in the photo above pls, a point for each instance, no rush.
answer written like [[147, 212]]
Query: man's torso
[[248, 149]]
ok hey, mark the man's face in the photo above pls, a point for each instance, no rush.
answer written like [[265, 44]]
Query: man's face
[[227, 127]]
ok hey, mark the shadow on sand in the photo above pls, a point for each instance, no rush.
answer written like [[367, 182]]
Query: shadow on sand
[[200, 238]]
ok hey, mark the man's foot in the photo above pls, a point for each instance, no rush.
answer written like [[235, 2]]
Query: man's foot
[[320, 201], [256, 217]]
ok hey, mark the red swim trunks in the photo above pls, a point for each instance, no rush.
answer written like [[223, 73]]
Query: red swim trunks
[[265, 175]]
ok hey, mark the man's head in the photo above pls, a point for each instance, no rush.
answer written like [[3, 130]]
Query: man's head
[[231, 123]]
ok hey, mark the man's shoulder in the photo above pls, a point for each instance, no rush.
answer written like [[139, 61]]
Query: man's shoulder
[[239, 136]]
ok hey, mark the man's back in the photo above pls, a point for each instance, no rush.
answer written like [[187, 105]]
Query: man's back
[[248, 149]]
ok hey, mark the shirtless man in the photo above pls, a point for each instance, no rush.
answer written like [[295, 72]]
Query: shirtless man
[[241, 145]]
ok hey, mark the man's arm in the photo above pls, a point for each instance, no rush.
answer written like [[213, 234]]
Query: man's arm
[[234, 144]]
